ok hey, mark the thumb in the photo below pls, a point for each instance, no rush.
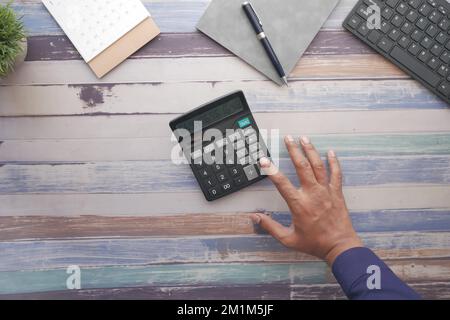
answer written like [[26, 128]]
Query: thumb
[[275, 229]]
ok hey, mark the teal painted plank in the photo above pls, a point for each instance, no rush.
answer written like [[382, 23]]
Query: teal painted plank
[[52, 254], [158, 176], [109, 277]]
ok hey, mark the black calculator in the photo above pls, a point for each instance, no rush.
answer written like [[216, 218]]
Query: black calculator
[[222, 144]]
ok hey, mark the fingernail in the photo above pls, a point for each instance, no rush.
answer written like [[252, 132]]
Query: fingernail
[[331, 154], [289, 138], [264, 163], [255, 218], [305, 140]]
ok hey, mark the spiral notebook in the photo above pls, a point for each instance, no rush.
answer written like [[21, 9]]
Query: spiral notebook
[[290, 25], [105, 32]]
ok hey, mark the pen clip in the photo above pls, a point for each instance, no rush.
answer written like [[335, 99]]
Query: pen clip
[[256, 14]]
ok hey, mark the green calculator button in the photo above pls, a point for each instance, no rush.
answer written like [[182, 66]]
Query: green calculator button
[[245, 122]]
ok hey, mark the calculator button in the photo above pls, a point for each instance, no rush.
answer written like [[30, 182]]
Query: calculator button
[[249, 131], [209, 148], [254, 148], [252, 139], [226, 186], [251, 173], [241, 153], [235, 171], [205, 173], [239, 181], [244, 161], [209, 159], [218, 167], [239, 144], [221, 143], [258, 155], [235, 136], [214, 192], [211, 182], [222, 177]]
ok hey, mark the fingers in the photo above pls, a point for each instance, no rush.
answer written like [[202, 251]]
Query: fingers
[[301, 164], [335, 171], [284, 186], [278, 231], [318, 166]]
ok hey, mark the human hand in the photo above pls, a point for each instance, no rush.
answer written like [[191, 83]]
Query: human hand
[[321, 225]]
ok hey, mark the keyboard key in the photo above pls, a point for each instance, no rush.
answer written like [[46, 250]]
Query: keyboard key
[[397, 21], [385, 27], [354, 22], [385, 44], [226, 186], [412, 16], [445, 57], [444, 88], [443, 70], [374, 36], [387, 13], [414, 3], [402, 8], [363, 29], [433, 63], [392, 3], [426, 43], [441, 38], [214, 192], [211, 182], [414, 49], [235, 171], [412, 64], [444, 24], [423, 56], [425, 9], [432, 31], [222, 177], [407, 28], [251, 173], [205, 173], [436, 50], [394, 34], [404, 42], [435, 17], [218, 167], [422, 23], [239, 181]]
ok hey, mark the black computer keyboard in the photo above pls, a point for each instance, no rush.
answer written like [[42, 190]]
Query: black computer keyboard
[[413, 34]]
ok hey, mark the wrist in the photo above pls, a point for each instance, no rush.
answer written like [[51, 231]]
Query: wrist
[[342, 246]]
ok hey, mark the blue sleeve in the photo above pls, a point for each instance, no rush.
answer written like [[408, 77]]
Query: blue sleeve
[[364, 276]]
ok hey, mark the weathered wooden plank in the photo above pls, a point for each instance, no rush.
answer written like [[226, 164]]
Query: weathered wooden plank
[[171, 16], [211, 274], [46, 227], [54, 254], [164, 176], [178, 97], [150, 204], [183, 45], [428, 290], [161, 70], [300, 123], [105, 150]]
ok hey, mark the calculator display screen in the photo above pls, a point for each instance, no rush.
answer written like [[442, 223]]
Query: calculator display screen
[[214, 115]]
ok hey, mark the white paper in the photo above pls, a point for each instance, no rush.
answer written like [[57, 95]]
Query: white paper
[[94, 25]]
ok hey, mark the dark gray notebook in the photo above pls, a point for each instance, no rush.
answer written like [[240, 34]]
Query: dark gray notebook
[[290, 25]]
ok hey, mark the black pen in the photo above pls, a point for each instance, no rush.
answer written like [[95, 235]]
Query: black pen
[[258, 26]]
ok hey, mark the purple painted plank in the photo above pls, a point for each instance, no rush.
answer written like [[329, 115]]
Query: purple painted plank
[[172, 45], [439, 290]]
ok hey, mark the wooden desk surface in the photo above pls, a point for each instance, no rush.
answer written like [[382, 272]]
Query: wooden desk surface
[[85, 175]]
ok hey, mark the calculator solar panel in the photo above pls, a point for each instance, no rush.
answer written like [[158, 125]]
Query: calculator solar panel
[[222, 144], [413, 34]]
